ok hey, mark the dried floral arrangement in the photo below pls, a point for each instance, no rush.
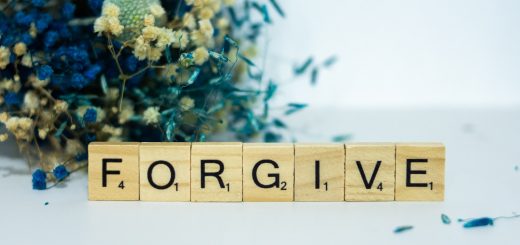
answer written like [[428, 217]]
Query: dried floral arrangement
[[73, 72]]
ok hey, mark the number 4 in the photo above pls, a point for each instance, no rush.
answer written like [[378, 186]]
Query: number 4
[[380, 186], [122, 185]]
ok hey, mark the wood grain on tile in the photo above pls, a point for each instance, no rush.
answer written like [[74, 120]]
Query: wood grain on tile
[[113, 171], [370, 172], [268, 172], [319, 172], [165, 171], [216, 172], [420, 172]]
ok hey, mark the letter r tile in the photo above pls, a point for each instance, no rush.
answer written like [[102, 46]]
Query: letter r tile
[[113, 171], [216, 172]]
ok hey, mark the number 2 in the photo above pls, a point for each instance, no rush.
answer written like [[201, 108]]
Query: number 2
[[284, 186]]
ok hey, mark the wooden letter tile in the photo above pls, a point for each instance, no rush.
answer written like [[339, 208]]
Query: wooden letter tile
[[370, 172], [319, 172], [165, 171], [268, 172], [216, 172], [420, 172], [113, 171]]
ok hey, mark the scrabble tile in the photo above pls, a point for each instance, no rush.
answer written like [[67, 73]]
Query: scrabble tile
[[370, 172], [268, 172], [164, 171], [113, 171], [216, 172], [319, 172], [419, 172]]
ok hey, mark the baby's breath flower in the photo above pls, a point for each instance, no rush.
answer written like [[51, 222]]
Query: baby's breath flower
[[26, 60], [4, 137], [110, 10], [151, 115], [61, 106], [74, 147], [111, 130], [20, 127], [228, 2], [157, 10], [20, 49], [188, 21], [127, 111], [222, 23], [4, 57], [32, 30], [203, 36], [42, 133], [149, 20], [186, 103], [181, 39], [206, 13], [200, 55], [31, 101], [109, 20], [4, 117]]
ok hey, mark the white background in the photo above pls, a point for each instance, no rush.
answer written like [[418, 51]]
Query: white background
[[443, 71], [408, 53]]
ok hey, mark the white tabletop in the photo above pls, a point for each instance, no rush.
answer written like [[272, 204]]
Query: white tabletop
[[481, 180]]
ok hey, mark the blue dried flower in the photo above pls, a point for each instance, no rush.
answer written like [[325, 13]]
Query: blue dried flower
[[90, 115], [26, 38], [44, 72], [51, 37], [67, 11], [92, 72], [11, 99], [39, 180], [78, 81], [39, 3], [90, 137], [43, 21], [95, 5], [485, 221], [23, 19], [131, 63], [60, 172]]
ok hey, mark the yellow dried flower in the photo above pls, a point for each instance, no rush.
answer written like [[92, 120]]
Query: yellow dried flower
[[4, 57], [110, 10], [4, 117], [188, 21], [149, 20], [186, 103], [61, 106], [42, 133], [200, 55], [4, 137], [157, 10], [20, 49], [151, 115]]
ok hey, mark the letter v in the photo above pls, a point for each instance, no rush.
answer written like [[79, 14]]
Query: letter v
[[368, 184]]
